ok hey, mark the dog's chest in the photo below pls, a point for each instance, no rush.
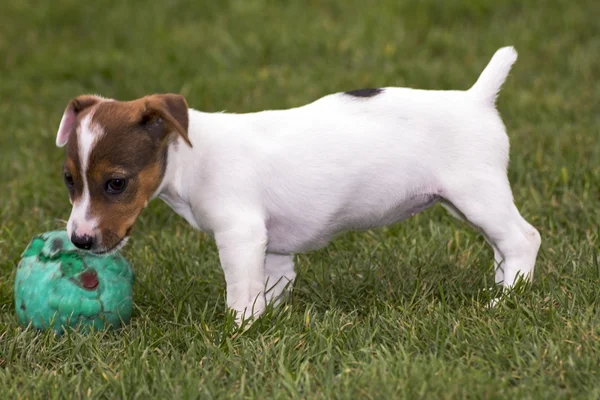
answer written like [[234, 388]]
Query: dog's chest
[[181, 207]]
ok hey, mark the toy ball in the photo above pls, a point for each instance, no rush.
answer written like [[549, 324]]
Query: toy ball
[[58, 286]]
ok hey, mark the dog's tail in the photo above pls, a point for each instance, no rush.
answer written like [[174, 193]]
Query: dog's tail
[[493, 76]]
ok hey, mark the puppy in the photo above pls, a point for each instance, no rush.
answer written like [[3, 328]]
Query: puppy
[[271, 184]]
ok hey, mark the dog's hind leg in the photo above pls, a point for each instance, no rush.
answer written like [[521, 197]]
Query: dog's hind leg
[[486, 202], [499, 278]]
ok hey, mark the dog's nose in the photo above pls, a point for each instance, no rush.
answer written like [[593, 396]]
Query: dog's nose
[[84, 242]]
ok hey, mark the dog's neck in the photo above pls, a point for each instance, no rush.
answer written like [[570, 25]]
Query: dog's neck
[[181, 158], [210, 134]]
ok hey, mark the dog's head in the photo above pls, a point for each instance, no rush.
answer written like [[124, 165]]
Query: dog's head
[[116, 157]]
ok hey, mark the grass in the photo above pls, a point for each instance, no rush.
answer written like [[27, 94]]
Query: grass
[[390, 313]]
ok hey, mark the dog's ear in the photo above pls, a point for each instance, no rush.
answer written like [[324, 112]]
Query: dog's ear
[[75, 106], [164, 114]]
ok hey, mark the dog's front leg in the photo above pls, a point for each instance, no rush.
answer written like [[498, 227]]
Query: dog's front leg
[[242, 255]]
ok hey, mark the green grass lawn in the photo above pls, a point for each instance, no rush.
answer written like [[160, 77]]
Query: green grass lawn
[[390, 313]]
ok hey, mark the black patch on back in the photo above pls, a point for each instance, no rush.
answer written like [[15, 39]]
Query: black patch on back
[[370, 92]]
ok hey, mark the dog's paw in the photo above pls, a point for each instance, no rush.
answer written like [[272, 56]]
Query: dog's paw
[[493, 297], [247, 315], [493, 302]]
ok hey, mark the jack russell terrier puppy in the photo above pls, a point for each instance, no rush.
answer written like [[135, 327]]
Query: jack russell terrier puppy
[[271, 184]]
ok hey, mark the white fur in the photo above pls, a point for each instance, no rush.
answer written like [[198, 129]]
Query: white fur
[[275, 183], [80, 222]]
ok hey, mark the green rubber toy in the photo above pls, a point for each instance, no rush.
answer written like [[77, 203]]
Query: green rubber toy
[[58, 286]]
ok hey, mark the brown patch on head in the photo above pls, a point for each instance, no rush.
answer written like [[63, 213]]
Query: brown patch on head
[[73, 166], [77, 109], [84, 102], [132, 146]]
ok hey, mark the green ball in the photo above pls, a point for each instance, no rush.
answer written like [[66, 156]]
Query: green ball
[[58, 286]]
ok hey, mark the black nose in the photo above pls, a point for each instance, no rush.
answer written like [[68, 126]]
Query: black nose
[[84, 242]]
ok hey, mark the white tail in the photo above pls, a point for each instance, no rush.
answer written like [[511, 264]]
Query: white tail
[[495, 73]]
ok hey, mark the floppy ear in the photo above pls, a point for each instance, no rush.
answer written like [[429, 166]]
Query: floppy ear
[[74, 107], [164, 114]]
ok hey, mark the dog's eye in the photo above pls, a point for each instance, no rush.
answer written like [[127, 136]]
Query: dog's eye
[[115, 186], [69, 180]]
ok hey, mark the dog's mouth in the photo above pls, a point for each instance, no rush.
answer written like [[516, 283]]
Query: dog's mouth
[[118, 246]]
